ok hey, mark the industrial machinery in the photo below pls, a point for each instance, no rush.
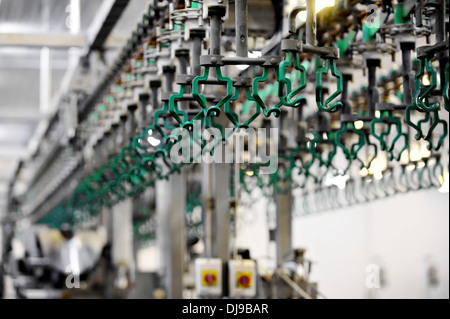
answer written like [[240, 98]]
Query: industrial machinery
[[212, 105]]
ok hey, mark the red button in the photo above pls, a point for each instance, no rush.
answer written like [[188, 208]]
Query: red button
[[210, 278], [244, 281]]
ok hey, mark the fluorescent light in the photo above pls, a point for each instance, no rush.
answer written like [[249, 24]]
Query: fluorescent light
[[444, 184], [364, 172], [415, 154], [302, 16], [254, 54], [359, 124], [426, 80], [340, 181], [242, 67], [320, 5], [377, 167], [378, 175], [404, 159], [153, 141]]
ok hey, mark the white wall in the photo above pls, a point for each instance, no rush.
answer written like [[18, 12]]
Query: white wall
[[403, 235]]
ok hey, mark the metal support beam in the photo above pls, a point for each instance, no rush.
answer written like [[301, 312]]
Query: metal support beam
[[122, 233], [122, 240], [13, 152], [45, 83], [283, 201], [104, 22], [208, 206], [10, 114], [283, 233], [42, 40], [221, 213], [216, 210], [171, 210]]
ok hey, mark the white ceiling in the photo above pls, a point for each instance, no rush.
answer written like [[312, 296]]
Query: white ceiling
[[20, 70]]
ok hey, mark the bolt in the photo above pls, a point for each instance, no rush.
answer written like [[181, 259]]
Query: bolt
[[214, 60], [273, 61]]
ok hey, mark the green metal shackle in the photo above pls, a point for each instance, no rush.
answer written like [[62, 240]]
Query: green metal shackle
[[421, 100], [311, 149], [233, 117], [352, 153], [290, 99], [364, 140], [326, 107], [259, 96], [201, 99], [391, 121], [389, 182], [432, 116], [179, 115]]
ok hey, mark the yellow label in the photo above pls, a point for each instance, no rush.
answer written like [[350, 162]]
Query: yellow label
[[209, 278], [244, 280]]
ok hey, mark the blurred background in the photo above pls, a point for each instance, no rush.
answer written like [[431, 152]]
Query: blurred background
[[54, 58]]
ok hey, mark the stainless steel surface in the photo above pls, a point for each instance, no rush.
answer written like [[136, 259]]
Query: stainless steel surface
[[170, 210], [221, 212]]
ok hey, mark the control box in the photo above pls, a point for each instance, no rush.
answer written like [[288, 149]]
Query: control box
[[242, 278], [208, 277]]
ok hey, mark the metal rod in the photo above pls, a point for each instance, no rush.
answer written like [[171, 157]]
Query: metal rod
[[243, 61], [311, 22], [293, 285], [440, 22], [346, 106], [183, 61], [155, 100], [170, 76], [124, 119], [216, 30], [196, 53], [406, 68], [327, 51], [441, 36], [207, 194], [144, 101], [133, 123], [183, 64], [221, 212], [241, 14], [372, 66], [170, 210]]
